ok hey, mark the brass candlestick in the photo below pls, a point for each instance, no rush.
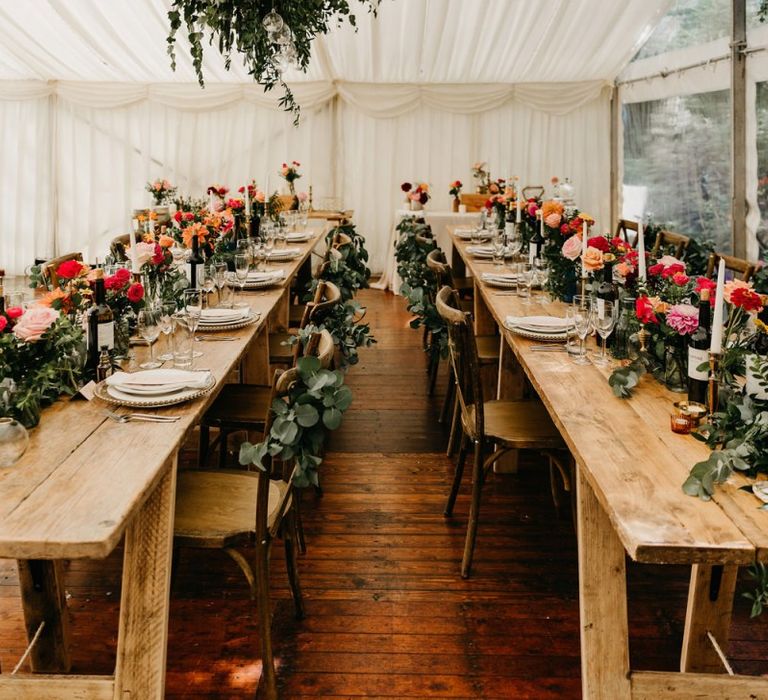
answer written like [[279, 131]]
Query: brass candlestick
[[713, 391], [642, 338]]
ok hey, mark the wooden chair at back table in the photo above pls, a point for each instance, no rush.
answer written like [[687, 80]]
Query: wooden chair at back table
[[623, 228], [473, 202], [230, 510], [533, 191], [666, 239], [48, 269], [505, 424], [742, 267], [487, 347]]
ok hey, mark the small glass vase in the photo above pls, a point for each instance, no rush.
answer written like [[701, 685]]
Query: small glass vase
[[675, 370], [122, 337], [14, 441]]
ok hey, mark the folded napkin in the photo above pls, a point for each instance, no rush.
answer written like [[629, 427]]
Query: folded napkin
[[283, 251], [298, 236], [263, 276], [498, 277], [480, 249], [223, 314], [160, 378], [551, 324], [467, 233]]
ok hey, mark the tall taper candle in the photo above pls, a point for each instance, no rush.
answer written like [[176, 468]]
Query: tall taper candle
[[134, 253], [583, 248], [247, 199], [716, 346], [517, 204], [640, 251]]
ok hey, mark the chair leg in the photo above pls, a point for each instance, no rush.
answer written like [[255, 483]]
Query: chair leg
[[223, 440], [449, 392], [298, 523], [474, 510], [434, 364], [455, 429], [457, 474], [265, 621], [289, 526], [245, 567], [205, 442]]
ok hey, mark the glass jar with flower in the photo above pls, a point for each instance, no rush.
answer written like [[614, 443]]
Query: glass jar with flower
[[290, 173], [455, 192]]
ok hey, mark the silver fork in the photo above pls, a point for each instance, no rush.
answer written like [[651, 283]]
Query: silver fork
[[145, 417]]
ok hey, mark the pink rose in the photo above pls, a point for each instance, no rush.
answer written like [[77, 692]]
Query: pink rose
[[303, 196], [593, 259], [144, 253], [572, 248], [553, 220], [532, 209], [34, 322]]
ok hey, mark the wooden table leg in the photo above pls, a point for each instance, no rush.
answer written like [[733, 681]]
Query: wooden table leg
[[143, 633], [710, 603], [255, 366], [602, 601], [42, 596], [280, 317], [458, 267]]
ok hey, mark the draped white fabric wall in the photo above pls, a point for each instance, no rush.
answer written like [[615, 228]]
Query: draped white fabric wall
[[105, 142]]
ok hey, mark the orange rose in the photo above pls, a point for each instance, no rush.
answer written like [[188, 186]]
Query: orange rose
[[50, 297], [195, 230], [659, 306], [552, 207], [166, 241], [593, 259]]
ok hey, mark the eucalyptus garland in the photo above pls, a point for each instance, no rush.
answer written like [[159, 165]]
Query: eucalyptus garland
[[235, 26]]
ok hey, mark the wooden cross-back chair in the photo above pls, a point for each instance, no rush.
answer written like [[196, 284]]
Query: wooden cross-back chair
[[48, 270], [231, 510], [243, 406], [118, 246], [666, 239], [743, 267], [505, 424], [623, 229], [533, 191]]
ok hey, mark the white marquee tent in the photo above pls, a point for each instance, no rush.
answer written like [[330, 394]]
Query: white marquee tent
[[90, 110]]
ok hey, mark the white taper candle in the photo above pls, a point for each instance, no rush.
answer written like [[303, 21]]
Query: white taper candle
[[716, 346], [640, 251]]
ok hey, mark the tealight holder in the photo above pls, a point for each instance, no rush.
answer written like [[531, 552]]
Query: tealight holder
[[681, 423], [692, 410]]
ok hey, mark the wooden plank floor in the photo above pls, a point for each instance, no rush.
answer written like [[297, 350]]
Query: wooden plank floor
[[387, 613]]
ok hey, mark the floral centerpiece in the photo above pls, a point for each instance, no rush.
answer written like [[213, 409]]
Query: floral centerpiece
[[41, 359], [417, 195], [481, 176], [455, 191], [290, 173], [162, 191]]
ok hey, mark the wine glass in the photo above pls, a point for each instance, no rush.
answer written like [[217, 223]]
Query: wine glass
[[209, 281], [221, 277], [582, 321], [166, 328], [149, 329], [193, 306], [269, 241], [498, 248], [604, 320], [258, 254], [241, 274]]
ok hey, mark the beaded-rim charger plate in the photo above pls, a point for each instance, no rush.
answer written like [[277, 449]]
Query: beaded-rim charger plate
[[278, 256], [510, 283], [211, 327], [543, 337], [257, 284], [102, 392]]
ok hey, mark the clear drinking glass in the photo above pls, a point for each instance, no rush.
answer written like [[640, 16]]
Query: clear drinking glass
[[498, 248], [221, 277], [166, 328], [241, 274], [269, 241], [149, 329], [193, 306], [524, 271], [209, 281], [604, 319], [582, 321], [182, 342]]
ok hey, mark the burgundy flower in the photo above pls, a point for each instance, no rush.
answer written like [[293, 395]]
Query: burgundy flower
[[406, 187], [656, 269], [599, 242]]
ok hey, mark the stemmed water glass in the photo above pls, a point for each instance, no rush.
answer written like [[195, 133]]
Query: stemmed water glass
[[269, 241], [149, 329], [241, 274], [498, 248], [193, 307], [166, 328], [209, 281], [582, 321], [221, 277], [604, 320]]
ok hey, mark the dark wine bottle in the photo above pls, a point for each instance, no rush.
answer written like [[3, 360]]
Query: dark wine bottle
[[2, 291], [195, 265], [535, 245], [255, 225], [698, 353], [101, 323]]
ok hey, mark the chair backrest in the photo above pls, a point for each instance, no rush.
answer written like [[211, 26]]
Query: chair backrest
[[745, 268], [325, 348], [48, 271], [623, 227], [331, 297], [669, 238], [533, 191], [473, 202], [463, 353], [440, 268], [118, 245]]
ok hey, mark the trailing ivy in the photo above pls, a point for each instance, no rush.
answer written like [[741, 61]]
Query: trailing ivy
[[235, 26]]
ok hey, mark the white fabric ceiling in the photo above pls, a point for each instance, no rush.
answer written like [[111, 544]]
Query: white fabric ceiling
[[412, 41]]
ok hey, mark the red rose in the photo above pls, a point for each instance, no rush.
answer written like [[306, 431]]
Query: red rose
[[644, 310], [189, 216], [599, 242], [135, 292], [122, 275], [705, 283], [222, 191], [577, 223], [620, 243], [672, 270], [177, 215], [69, 269], [565, 230], [159, 257], [241, 190], [680, 278], [656, 269], [13, 312], [747, 299], [3, 323]]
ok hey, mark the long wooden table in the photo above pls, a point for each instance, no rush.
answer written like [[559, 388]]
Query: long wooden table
[[85, 483], [630, 469]]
